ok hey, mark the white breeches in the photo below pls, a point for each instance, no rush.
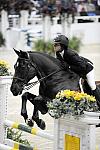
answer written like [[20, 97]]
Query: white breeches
[[91, 80]]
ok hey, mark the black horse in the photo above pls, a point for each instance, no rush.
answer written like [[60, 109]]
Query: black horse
[[51, 75]]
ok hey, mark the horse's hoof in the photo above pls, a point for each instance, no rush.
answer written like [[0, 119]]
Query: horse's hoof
[[30, 122], [42, 124]]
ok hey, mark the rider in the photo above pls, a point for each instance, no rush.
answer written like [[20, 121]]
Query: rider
[[80, 65]]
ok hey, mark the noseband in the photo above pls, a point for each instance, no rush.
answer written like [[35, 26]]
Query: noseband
[[27, 86]]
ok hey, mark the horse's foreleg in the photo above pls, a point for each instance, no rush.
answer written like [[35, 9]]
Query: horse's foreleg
[[25, 97], [23, 108], [39, 104]]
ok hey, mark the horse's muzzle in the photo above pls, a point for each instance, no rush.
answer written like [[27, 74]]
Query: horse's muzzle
[[16, 90]]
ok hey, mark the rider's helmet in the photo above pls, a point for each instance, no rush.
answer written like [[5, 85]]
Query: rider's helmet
[[62, 39]]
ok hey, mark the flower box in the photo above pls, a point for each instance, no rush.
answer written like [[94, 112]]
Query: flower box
[[72, 103], [91, 115]]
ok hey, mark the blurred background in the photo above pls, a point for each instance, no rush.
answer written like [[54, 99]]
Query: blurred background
[[32, 25]]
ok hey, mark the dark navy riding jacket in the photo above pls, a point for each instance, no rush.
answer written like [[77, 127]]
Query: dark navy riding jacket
[[78, 64]]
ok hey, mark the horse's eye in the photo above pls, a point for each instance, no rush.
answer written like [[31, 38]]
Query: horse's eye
[[25, 64], [22, 64]]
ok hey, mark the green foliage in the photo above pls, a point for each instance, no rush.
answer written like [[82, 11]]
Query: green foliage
[[75, 43], [47, 47], [2, 40], [16, 136], [43, 46]]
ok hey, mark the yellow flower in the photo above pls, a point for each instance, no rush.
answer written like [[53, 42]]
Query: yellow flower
[[68, 93], [75, 94], [4, 68], [90, 98], [4, 63], [78, 97]]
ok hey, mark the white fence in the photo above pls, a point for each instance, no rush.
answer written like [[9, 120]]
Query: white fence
[[42, 27]]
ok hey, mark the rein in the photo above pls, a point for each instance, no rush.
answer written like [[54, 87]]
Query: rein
[[30, 85]]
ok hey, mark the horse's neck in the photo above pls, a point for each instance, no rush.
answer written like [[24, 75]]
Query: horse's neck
[[40, 74], [44, 66]]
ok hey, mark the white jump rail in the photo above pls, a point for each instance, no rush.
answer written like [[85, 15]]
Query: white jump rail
[[28, 129], [5, 147]]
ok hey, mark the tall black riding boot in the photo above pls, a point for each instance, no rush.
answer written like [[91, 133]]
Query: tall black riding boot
[[96, 93]]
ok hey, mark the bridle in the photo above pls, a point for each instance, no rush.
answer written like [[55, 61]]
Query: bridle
[[27, 86]]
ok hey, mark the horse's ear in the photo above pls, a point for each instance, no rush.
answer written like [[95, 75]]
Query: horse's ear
[[17, 52], [24, 54]]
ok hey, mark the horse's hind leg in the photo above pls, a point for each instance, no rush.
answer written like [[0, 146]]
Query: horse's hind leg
[[39, 105], [41, 102], [35, 117]]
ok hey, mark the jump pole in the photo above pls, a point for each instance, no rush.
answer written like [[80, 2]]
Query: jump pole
[[6, 147], [28, 129], [16, 145]]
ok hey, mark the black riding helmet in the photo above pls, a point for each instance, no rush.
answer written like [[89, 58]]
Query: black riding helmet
[[62, 39]]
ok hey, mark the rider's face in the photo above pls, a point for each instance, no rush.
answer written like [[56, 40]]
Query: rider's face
[[57, 47]]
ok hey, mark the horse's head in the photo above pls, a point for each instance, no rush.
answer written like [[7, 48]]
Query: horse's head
[[24, 72]]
